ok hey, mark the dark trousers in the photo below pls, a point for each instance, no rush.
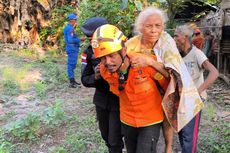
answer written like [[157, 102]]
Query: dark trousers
[[141, 140], [110, 127], [189, 134]]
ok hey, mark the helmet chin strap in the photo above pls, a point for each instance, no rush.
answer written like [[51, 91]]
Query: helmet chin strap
[[121, 77], [122, 63]]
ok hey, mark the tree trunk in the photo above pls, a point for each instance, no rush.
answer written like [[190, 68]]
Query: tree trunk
[[20, 20]]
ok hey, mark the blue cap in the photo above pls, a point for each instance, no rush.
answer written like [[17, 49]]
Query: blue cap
[[72, 17], [92, 24]]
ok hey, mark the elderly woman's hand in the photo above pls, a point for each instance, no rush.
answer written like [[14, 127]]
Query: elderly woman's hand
[[141, 60]]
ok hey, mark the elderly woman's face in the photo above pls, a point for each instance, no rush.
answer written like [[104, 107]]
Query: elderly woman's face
[[152, 28]]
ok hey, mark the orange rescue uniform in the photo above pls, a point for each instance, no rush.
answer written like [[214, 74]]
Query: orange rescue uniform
[[140, 101]]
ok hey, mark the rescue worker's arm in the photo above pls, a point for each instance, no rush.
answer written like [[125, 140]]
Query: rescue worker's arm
[[212, 76], [142, 60]]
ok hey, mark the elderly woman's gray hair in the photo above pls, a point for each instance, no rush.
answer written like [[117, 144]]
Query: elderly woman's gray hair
[[185, 30], [145, 14]]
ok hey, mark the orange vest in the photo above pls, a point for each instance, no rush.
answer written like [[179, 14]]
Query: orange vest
[[140, 101]]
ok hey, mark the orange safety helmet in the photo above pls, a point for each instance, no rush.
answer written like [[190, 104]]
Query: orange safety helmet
[[107, 39]]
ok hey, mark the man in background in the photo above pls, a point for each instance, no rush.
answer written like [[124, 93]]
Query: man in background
[[196, 62], [72, 48], [198, 39]]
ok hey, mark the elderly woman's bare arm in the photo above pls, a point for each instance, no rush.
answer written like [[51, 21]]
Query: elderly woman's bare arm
[[142, 60]]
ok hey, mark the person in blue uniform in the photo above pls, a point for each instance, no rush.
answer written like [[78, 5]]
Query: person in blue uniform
[[106, 103], [72, 46]]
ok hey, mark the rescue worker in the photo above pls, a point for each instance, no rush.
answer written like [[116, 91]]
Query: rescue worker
[[72, 46], [141, 112], [107, 104]]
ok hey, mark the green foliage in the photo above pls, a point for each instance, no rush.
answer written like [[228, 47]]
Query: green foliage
[[26, 129], [8, 116], [57, 23], [13, 78], [53, 73], [59, 150], [210, 112], [5, 145], [218, 139], [10, 88], [113, 10], [79, 139], [83, 134], [28, 53], [40, 88], [54, 114]]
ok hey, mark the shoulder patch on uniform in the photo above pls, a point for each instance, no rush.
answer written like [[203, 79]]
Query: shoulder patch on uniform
[[72, 32], [83, 58], [158, 76]]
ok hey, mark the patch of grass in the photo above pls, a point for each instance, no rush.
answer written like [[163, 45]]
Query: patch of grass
[[53, 53], [53, 74], [10, 88], [27, 53], [17, 75], [219, 97], [25, 129], [8, 116], [86, 137], [217, 140], [88, 101], [59, 150], [210, 112], [40, 88], [54, 115], [5, 145]]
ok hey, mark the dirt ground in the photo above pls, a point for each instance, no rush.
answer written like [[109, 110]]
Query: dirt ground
[[27, 102]]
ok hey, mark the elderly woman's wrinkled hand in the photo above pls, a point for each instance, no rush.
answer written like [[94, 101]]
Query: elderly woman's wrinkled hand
[[141, 61]]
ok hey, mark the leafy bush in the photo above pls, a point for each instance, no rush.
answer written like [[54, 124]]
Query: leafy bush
[[54, 114], [57, 23], [112, 10], [26, 129]]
